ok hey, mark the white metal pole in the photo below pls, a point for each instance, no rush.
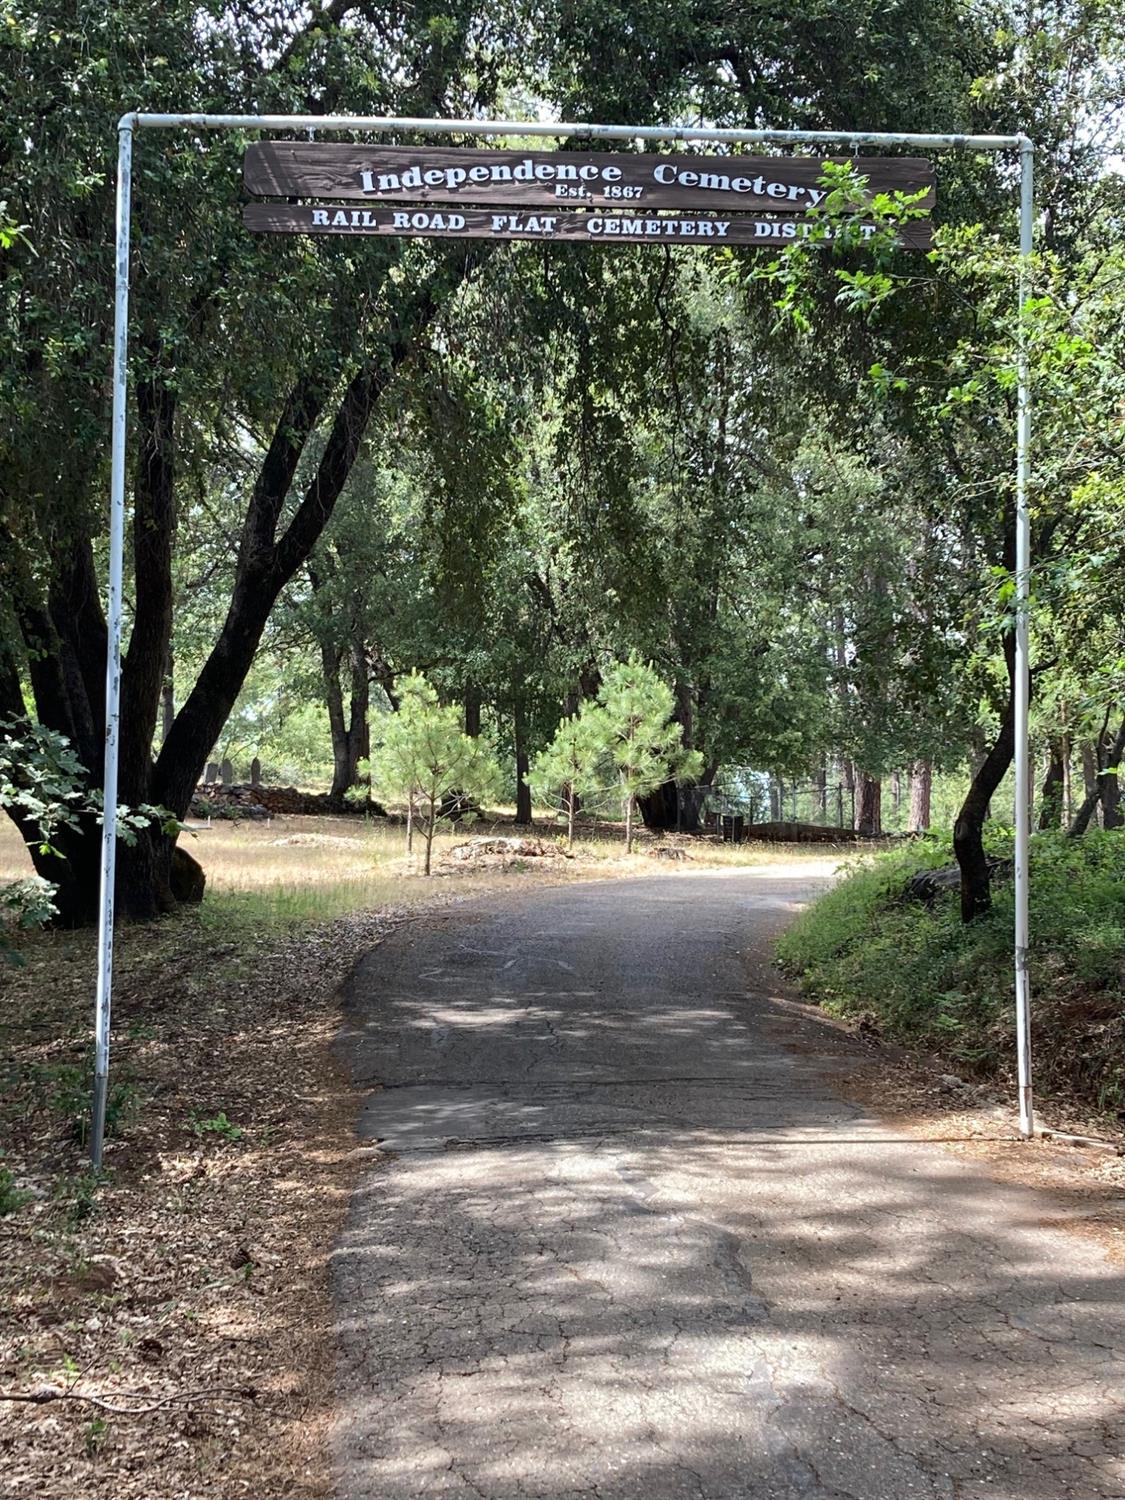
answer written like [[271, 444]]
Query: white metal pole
[[379, 124], [113, 652], [1022, 686]]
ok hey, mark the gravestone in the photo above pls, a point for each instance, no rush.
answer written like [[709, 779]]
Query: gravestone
[[212, 773], [255, 772], [227, 773]]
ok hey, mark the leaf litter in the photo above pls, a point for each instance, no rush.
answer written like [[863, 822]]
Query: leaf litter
[[167, 1329]]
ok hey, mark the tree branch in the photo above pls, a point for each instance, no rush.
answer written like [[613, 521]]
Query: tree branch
[[265, 566], [154, 527]]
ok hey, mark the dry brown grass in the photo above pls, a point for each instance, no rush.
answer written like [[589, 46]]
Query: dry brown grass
[[294, 869]]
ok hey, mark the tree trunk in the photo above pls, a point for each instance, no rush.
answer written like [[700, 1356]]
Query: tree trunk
[[167, 700], [921, 792], [428, 834], [1110, 778], [12, 705], [1089, 768], [74, 870], [659, 809], [1051, 804], [629, 824], [337, 724], [850, 779], [523, 791], [1112, 816], [571, 809], [968, 830], [380, 671], [822, 793], [359, 735], [869, 814], [1106, 788], [665, 810], [1081, 820], [472, 712], [64, 635]]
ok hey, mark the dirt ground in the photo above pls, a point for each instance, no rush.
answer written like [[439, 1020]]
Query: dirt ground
[[174, 1316], [165, 1331], [1083, 1186]]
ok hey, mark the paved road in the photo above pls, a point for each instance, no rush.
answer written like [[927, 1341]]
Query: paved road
[[633, 1245]]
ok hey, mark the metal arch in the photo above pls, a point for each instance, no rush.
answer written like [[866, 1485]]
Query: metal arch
[[382, 124]]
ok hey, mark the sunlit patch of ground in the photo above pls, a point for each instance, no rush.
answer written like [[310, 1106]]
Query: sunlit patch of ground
[[301, 869], [188, 1287]]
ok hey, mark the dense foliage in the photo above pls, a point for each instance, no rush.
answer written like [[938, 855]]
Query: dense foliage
[[921, 976], [784, 481]]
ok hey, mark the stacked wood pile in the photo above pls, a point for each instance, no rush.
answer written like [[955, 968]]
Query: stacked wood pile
[[491, 851]]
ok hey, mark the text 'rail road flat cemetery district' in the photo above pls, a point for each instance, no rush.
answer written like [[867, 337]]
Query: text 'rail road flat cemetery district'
[[740, 190]]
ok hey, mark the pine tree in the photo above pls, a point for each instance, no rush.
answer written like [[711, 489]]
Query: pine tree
[[571, 761], [424, 756], [645, 741]]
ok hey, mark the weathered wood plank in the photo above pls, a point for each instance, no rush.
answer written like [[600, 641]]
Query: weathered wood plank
[[414, 174], [588, 228]]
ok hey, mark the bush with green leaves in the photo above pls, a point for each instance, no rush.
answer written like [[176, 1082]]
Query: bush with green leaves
[[218, 1125], [43, 788], [425, 759], [572, 762], [866, 949], [11, 1196], [70, 1088]]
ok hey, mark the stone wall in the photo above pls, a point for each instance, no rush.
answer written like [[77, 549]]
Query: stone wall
[[243, 800]]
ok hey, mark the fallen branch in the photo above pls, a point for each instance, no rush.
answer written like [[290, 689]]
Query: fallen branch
[[42, 1395]]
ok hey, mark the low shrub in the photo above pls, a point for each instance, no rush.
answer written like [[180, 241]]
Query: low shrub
[[866, 949], [11, 1196]]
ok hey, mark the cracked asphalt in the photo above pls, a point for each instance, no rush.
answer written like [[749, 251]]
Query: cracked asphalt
[[632, 1243]]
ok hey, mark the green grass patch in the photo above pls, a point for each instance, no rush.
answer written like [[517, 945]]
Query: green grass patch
[[865, 949], [291, 903]]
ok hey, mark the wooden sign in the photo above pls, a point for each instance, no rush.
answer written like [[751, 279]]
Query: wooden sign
[[563, 224], [416, 174]]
